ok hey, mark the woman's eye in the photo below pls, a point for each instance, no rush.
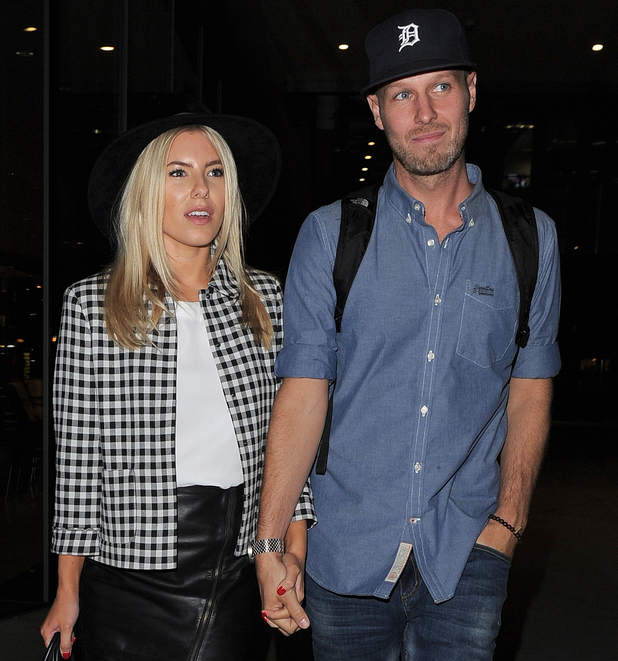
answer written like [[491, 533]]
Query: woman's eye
[[177, 173], [216, 172]]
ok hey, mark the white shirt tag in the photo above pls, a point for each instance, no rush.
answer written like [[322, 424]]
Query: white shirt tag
[[400, 562]]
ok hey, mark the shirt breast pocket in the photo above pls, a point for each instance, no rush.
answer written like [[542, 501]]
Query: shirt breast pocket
[[118, 506], [488, 323]]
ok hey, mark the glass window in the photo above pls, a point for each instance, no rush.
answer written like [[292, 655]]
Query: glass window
[[22, 355]]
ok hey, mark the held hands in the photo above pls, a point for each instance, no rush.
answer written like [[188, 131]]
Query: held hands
[[282, 588], [61, 617]]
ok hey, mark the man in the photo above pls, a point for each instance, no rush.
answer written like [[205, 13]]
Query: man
[[439, 419]]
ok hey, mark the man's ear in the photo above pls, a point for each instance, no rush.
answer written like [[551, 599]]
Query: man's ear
[[374, 106], [471, 83]]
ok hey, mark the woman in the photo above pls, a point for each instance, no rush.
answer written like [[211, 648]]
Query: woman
[[163, 389]]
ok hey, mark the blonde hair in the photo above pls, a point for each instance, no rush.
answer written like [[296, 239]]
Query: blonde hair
[[142, 272]]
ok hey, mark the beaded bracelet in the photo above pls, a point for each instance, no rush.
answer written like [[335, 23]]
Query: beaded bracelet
[[506, 525]]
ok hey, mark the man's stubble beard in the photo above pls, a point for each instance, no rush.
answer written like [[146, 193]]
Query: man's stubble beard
[[431, 160]]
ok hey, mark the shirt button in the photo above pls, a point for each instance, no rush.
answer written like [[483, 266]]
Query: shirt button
[[414, 519], [471, 223], [417, 207], [430, 356], [431, 242], [424, 410], [417, 467], [409, 219], [463, 207], [437, 300]]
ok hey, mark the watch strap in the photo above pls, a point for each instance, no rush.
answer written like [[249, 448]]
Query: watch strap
[[267, 546]]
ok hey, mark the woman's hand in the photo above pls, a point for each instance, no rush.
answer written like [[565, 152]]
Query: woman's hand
[[65, 609], [282, 607], [61, 617], [282, 583]]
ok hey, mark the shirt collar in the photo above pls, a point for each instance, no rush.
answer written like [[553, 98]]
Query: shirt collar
[[224, 281], [472, 208]]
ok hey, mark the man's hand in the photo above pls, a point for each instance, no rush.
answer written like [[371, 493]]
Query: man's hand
[[282, 588], [496, 536]]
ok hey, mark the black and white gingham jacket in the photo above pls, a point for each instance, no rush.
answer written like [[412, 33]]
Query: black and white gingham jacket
[[114, 412]]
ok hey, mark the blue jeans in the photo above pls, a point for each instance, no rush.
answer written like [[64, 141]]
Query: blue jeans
[[410, 625]]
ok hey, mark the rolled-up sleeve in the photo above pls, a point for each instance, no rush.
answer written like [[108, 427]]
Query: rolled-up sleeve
[[304, 508], [541, 357], [309, 349], [75, 528]]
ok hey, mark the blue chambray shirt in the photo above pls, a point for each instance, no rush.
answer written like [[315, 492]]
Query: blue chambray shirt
[[423, 363]]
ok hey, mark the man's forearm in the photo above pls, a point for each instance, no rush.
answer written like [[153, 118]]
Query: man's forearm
[[528, 414], [295, 430]]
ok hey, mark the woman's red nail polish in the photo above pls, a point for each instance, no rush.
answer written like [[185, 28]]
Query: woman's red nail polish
[[281, 590], [264, 616], [66, 655], [74, 639]]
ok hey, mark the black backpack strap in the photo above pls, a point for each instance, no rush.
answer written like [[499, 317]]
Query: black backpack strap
[[523, 237], [358, 212]]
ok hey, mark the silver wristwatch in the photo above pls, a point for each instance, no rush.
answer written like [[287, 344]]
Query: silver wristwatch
[[258, 546]]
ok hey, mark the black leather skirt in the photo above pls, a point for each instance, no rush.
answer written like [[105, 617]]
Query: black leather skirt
[[207, 609]]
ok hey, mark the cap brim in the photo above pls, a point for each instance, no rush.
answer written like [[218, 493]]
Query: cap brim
[[421, 67]]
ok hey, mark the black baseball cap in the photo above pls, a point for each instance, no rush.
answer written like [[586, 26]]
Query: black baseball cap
[[415, 41]]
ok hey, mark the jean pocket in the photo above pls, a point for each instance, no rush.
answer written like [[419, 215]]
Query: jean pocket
[[492, 551], [488, 323], [118, 506]]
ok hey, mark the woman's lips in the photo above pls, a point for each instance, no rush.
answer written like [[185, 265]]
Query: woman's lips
[[199, 216]]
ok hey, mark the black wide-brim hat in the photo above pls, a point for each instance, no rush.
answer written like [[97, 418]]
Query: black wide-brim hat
[[254, 147]]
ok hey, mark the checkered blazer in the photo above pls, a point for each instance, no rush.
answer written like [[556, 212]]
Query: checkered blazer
[[114, 413]]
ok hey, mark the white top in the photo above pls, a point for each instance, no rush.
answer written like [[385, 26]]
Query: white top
[[206, 448]]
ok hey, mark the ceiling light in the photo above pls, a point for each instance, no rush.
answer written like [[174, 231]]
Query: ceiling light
[[371, 144], [597, 47], [367, 158], [362, 179], [364, 169], [107, 48], [343, 46], [29, 29]]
